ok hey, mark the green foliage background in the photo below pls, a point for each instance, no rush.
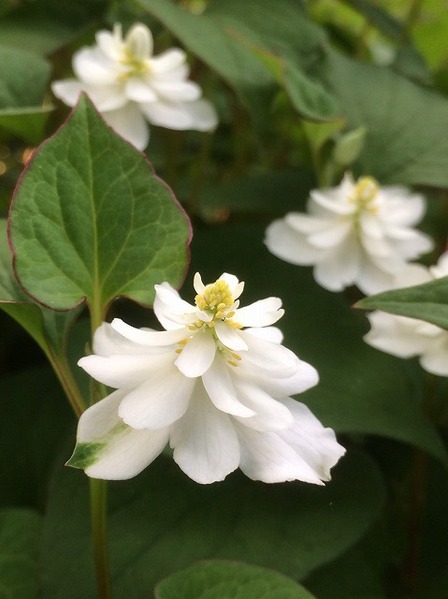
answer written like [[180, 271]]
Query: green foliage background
[[304, 91]]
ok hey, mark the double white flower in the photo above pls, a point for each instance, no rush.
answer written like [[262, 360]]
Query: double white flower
[[218, 394], [408, 337], [130, 86], [355, 234]]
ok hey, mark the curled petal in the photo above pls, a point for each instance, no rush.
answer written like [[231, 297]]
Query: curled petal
[[146, 337], [261, 313], [172, 311], [121, 371]]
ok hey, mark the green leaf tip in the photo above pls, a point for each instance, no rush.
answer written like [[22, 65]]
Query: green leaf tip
[[85, 454], [428, 302], [91, 221]]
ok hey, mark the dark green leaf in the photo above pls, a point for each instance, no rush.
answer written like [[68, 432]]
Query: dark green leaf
[[229, 580], [426, 302], [26, 123], [226, 33], [161, 522], [404, 141], [48, 328], [19, 553], [91, 220], [23, 78]]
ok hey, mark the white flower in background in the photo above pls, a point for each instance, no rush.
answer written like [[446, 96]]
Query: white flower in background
[[408, 337], [217, 392], [130, 86], [355, 234]]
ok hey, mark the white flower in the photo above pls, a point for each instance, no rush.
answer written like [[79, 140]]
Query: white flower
[[408, 337], [130, 86], [355, 234], [218, 394]]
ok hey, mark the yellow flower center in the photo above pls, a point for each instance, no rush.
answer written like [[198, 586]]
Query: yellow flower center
[[217, 300], [365, 193], [135, 67]]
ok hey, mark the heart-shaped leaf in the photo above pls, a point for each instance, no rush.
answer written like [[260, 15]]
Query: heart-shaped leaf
[[90, 220]]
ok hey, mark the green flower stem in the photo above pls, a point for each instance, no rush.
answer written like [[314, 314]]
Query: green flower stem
[[63, 371], [98, 488], [98, 507]]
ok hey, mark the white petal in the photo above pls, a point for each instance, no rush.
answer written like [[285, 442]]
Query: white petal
[[148, 338], [92, 67], [269, 414], [229, 337], [108, 342], [267, 457], [125, 371], [106, 97], [272, 357], [197, 355], [261, 313], [340, 267], [219, 385], [171, 310], [138, 91], [198, 285], [176, 91], [314, 443], [205, 443], [333, 235], [323, 199], [130, 124], [119, 451], [158, 402], [278, 385], [441, 268], [167, 61], [231, 280], [396, 335], [139, 42], [372, 279], [305, 451], [272, 334], [198, 115], [111, 44], [435, 358], [68, 90], [289, 245]]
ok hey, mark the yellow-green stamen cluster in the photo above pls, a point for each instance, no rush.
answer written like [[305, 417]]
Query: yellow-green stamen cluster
[[135, 67], [365, 192], [216, 300]]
